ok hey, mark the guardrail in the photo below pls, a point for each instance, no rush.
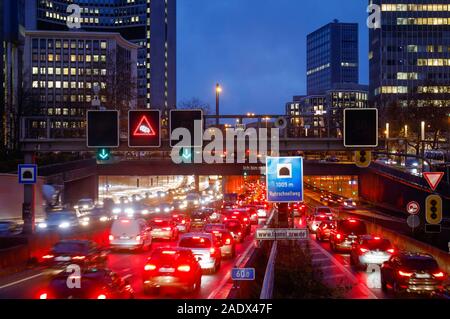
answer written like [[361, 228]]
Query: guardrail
[[269, 276]]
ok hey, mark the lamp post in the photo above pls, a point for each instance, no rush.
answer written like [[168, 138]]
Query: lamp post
[[218, 91], [387, 137]]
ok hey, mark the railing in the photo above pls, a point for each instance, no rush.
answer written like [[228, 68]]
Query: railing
[[269, 276]]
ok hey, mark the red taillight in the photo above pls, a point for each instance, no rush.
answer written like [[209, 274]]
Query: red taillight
[[111, 237], [101, 296], [183, 221], [352, 221], [168, 252], [391, 250], [212, 251], [48, 257], [138, 238], [338, 236], [377, 238], [245, 219], [149, 267], [363, 250], [227, 241], [439, 275], [125, 221], [239, 233], [43, 296], [404, 274], [225, 219], [184, 268], [78, 257]]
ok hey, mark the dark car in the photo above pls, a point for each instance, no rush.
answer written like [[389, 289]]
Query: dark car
[[346, 234], [85, 253], [242, 216], [236, 229], [408, 272], [199, 219], [297, 209], [172, 267], [9, 228], [324, 229], [94, 284], [99, 215]]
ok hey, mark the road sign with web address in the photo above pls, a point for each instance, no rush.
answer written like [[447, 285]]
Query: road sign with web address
[[282, 234]]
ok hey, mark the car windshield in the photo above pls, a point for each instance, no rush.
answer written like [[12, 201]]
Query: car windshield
[[355, 227], [59, 216], [70, 248], [420, 263], [195, 242]]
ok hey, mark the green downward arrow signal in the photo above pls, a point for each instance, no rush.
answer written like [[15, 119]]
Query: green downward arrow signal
[[104, 154], [186, 154]]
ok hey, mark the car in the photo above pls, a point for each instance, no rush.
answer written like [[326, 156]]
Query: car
[[313, 222], [199, 219], [164, 208], [205, 248], [99, 214], [332, 159], [130, 233], [371, 250], [63, 221], [84, 253], [210, 227], [236, 229], [9, 228], [262, 211], [348, 204], [323, 210], [297, 209], [84, 204], [242, 216], [182, 221], [252, 211], [346, 234], [226, 241], [324, 230], [174, 268], [410, 272], [164, 228], [94, 284]]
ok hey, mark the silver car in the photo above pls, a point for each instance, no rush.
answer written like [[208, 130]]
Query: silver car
[[205, 248]]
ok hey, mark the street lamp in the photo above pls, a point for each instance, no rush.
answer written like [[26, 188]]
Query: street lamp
[[218, 91], [422, 130], [406, 131]]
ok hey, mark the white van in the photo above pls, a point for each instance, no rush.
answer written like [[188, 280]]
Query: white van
[[128, 233]]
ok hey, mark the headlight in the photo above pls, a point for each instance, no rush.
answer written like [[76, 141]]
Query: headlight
[[353, 203], [158, 210], [42, 225], [103, 219], [64, 225], [86, 219], [196, 202], [85, 206], [76, 206], [85, 223], [129, 211], [116, 211], [167, 209], [145, 212]]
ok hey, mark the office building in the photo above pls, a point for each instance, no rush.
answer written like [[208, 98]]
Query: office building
[[410, 54], [149, 23], [67, 73], [332, 56]]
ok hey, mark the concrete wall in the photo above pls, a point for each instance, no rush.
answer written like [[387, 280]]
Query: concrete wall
[[11, 198]]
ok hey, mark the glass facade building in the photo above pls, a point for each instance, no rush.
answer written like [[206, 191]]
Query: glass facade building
[[149, 23], [410, 54], [332, 56]]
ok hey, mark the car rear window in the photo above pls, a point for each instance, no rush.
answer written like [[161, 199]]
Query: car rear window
[[381, 244], [322, 217], [62, 248], [324, 210], [125, 226], [195, 242], [420, 263], [160, 223], [356, 227], [209, 228], [233, 225]]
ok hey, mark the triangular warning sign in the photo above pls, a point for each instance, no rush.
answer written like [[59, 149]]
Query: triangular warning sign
[[144, 128], [433, 178]]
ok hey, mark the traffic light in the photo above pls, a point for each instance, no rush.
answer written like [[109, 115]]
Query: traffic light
[[102, 129], [103, 154], [360, 127], [433, 209], [144, 128], [192, 120], [363, 158]]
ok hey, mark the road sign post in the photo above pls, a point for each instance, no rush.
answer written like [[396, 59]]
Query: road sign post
[[28, 209]]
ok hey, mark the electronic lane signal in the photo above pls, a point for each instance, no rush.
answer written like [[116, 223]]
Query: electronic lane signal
[[144, 128], [363, 158]]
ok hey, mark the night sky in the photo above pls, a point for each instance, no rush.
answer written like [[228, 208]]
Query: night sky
[[256, 49]]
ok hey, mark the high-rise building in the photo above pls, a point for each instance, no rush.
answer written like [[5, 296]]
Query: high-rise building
[[67, 73], [12, 15], [149, 23], [332, 56], [410, 54]]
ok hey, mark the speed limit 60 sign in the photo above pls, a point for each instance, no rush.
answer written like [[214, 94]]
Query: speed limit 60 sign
[[243, 273]]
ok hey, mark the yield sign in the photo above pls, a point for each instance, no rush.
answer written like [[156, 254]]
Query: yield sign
[[144, 128], [433, 178]]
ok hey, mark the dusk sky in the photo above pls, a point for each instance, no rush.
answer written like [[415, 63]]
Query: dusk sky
[[256, 49]]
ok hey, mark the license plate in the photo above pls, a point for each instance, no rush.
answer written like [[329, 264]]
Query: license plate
[[423, 276], [124, 237], [166, 270], [62, 258]]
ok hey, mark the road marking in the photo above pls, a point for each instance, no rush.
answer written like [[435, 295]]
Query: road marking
[[20, 281]]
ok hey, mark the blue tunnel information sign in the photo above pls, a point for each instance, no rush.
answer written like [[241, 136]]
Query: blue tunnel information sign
[[284, 179]]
